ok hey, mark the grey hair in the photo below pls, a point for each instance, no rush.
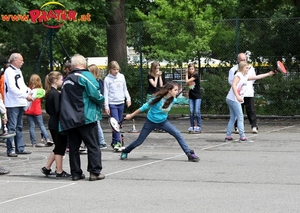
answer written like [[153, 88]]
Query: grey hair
[[78, 59], [13, 57]]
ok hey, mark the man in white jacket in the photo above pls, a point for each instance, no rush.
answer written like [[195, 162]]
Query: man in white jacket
[[248, 95], [16, 95]]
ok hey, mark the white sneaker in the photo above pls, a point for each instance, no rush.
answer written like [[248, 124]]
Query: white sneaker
[[236, 131], [191, 129], [254, 130], [198, 129]]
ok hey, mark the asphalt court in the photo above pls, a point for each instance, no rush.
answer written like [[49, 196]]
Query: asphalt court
[[231, 177]]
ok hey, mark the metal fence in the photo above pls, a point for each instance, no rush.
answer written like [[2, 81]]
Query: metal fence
[[264, 40]]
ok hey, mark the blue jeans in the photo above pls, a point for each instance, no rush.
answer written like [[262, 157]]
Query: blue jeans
[[236, 113], [100, 134], [15, 124], [39, 120], [116, 111], [149, 126], [195, 105]]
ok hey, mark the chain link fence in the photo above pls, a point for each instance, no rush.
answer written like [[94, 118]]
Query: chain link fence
[[212, 45]]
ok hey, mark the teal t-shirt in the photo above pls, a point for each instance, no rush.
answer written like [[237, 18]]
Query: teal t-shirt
[[156, 113]]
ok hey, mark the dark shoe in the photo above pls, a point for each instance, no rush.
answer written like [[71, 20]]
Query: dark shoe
[[228, 139], [50, 143], [25, 152], [63, 174], [76, 177], [12, 155], [96, 177], [103, 146], [46, 171], [3, 171], [193, 157]]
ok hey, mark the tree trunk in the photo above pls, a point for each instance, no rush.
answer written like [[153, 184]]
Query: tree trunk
[[116, 32]]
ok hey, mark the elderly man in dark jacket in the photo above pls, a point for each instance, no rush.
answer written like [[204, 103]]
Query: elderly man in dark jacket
[[80, 101]]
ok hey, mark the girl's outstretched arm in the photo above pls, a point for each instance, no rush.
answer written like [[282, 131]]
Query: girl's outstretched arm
[[130, 116]]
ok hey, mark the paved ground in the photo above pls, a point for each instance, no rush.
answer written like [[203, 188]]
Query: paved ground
[[231, 177]]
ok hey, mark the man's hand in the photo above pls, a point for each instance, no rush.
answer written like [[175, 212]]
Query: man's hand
[[29, 98]]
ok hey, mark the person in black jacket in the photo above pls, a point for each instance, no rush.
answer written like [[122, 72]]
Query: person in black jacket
[[80, 111]]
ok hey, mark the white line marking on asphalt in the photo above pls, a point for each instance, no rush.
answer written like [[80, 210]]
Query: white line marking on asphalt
[[277, 130], [33, 194], [158, 161], [209, 147]]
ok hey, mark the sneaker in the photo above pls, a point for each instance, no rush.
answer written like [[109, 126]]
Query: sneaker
[[228, 139], [96, 177], [198, 129], [77, 177], [50, 143], [46, 171], [103, 146], [3, 171], [117, 146], [254, 130], [40, 145], [123, 156], [193, 157], [190, 129], [12, 154], [24, 152], [236, 130], [244, 139], [82, 150], [63, 174]]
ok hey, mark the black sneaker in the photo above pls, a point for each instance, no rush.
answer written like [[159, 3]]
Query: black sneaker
[[46, 171], [63, 174], [77, 177], [193, 157]]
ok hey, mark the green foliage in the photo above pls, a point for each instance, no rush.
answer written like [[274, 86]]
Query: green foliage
[[281, 94], [215, 88], [173, 42], [136, 80]]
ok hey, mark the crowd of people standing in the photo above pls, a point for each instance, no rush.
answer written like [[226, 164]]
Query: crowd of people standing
[[74, 100]]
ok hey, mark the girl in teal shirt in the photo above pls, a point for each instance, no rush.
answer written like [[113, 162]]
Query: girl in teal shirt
[[159, 107]]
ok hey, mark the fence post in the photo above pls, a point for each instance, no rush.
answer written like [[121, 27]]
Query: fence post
[[141, 62], [237, 35]]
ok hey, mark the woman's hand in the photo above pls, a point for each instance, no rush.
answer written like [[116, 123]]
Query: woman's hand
[[128, 117], [240, 99]]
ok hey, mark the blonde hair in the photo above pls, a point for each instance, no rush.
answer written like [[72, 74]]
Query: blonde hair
[[113, 65], [50, 79], [95, 71], [242, 64], [35, 81]]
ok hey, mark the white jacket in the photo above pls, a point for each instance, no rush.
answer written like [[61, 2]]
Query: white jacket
[[15, 89]]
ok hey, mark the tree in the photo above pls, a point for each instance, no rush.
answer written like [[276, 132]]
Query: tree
[[116, 32]]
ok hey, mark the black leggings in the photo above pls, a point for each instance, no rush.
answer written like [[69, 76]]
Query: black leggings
[[60, 142]]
